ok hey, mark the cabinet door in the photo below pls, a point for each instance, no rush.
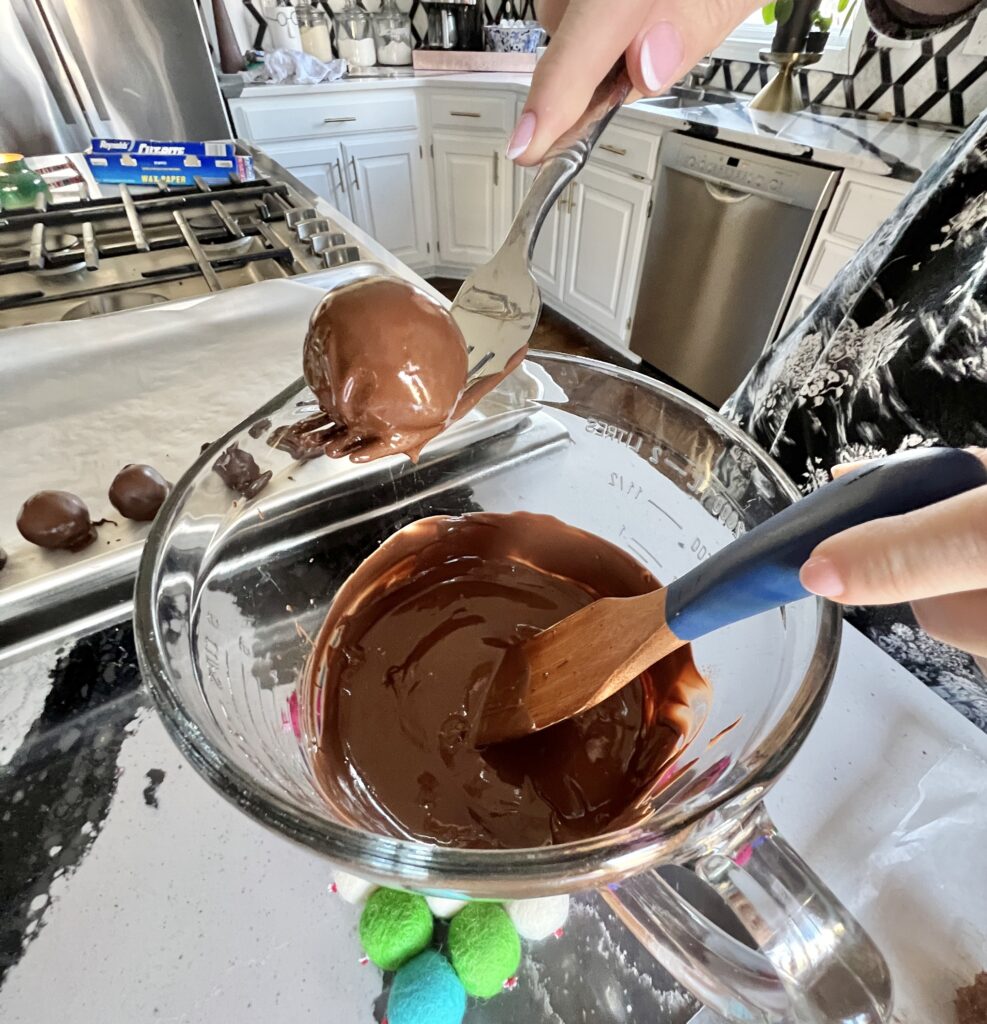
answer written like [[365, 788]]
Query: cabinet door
[[318, 166], [472, 196], [606, 239], [389, 194], [548, 259]]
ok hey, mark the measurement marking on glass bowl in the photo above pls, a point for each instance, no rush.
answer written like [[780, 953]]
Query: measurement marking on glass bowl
[[634, 491], [669, 517], [638, 547]]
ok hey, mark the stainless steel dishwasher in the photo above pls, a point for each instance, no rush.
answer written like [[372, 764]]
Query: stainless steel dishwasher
[[729, 236]]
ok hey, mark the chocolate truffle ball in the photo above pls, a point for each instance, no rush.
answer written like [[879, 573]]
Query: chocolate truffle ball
[[138, 491], [387, 364], [56, 519]]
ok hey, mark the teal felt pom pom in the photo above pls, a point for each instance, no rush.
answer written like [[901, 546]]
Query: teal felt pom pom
[[484, 948], [394, 927], [426, 990]]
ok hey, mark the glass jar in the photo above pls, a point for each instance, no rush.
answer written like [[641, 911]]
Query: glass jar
[[392, 34], [19, 185], [313, 30], [354, 38]]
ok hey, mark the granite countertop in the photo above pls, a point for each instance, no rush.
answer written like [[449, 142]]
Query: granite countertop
[[134, 892], [826, 135]]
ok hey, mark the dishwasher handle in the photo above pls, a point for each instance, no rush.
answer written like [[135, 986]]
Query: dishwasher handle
[[725, 194]]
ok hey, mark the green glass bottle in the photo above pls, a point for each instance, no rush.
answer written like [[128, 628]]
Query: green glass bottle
[[19, 185]]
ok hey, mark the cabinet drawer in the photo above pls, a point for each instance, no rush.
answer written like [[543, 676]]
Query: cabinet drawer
[[452, 109], [626, 149], [303, 153], [327, 115], [859, 208], [827, 260]]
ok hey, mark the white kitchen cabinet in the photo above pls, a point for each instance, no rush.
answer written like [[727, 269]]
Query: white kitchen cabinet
[[388, 190], [861, 203], [608, 217], [318, 164], [473, 195], [548, 259]]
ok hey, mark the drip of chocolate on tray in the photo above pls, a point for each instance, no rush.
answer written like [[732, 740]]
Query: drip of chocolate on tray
[[404, 656], [56, 520], [305, 439], [138, 491], [260, 428], [239, 471]]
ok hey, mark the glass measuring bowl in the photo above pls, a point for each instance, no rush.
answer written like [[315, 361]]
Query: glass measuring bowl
[[229, 594]]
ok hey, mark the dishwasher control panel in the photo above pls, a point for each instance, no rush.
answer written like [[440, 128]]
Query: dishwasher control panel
[[734, 168]]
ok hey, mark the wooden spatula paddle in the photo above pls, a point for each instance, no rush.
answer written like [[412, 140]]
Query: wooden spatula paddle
[[592, 653]]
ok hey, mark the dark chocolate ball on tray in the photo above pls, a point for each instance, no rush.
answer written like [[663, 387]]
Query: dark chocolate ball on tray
[[138, 491], [57, 520]]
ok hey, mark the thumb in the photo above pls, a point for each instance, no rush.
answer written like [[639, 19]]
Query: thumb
[[937, 550]]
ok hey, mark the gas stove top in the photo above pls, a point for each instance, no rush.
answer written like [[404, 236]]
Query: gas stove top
[[76, 259]]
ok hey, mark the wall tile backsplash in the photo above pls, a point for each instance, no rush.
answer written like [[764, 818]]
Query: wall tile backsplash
[[929, 79]]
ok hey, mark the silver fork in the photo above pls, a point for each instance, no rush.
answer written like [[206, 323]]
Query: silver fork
[[497, 306]]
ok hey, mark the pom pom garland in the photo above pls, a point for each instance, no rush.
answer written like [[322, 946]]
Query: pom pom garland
[[426, 990], [537, 919], [484, 948], [394, 927], [444, 908], [353, 889]]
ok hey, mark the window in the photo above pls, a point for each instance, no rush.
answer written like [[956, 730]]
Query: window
[[842, 49]]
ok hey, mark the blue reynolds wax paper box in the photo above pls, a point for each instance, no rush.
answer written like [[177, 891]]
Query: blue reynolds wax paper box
[[143, 162]]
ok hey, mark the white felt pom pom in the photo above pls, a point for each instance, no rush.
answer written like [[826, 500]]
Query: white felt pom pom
[[354, 890], [537, 919], [443, 908]]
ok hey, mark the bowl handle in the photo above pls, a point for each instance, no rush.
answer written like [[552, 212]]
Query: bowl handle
[[815, 965]]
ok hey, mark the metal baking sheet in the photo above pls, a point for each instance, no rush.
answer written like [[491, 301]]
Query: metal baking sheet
[[152, 385]]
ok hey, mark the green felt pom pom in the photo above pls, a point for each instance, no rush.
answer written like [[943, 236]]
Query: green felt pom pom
[[394, 927], [484, 948]]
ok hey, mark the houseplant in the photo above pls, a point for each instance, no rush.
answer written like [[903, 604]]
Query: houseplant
[[801, 26]]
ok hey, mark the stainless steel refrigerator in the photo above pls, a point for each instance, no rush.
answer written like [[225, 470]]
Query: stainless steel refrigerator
[[74, 69]]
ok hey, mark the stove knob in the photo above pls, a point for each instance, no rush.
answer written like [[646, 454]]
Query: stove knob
[[340, 255], [774, 184]]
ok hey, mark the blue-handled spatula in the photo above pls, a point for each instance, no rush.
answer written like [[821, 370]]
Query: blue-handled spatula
[[592, 653]]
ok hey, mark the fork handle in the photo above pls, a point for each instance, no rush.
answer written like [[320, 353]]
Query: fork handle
[[566, 157]]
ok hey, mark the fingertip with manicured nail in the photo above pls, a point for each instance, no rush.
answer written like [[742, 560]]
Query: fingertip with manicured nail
[[661, 54], [821, 577], [524, 132]]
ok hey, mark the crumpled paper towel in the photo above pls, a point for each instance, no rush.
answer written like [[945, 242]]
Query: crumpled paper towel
[[293, 67]]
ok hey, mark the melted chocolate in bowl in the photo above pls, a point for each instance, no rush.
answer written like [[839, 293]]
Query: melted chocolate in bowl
[[408, 646]]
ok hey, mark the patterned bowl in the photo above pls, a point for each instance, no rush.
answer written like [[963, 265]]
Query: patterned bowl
[[517, 37]]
